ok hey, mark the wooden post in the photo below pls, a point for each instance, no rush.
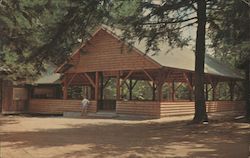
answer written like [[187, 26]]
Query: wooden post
[[130, 89], [92, 92], [214, 85], [159, 91], [160, 83], [101, 90], [118, 85], [96, 86], [173, 91], [65, 88], [153, 89], [231, 87], [87, 92], [189, 81], [206, 92]]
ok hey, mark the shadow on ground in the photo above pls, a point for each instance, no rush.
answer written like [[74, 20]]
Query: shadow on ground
[[147, 139]]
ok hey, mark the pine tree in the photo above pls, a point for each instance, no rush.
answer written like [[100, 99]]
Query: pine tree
[[165, 21]]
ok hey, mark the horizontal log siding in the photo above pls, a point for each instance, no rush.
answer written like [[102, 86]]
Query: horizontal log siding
[[56, 106], [103, 53], [187, 108], [220, 106], [176, 108], [142, 108]]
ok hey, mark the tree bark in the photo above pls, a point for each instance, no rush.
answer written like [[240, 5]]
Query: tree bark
[[247, 90], [200, 106]]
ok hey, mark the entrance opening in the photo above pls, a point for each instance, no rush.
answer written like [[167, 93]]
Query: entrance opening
[[107, 101]]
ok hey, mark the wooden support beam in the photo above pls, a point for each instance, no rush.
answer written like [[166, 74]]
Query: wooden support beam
[[87, 92], [161, 79], [134, 84], [210, 89], [153, 89], [74, 75], [90, 80], [96, 86], [206, 93], [148, 75], [173, 91], [101, 90], [118, 85], [240, 88], [188, 81], [65, 88], [214, 85], [125, 79], [130, 89], [128, 86], [106, 82], [231, 85], [92, 92], [178, 86], [150, 84]]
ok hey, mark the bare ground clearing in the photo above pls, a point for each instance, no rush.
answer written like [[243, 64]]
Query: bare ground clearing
[[58, 137]]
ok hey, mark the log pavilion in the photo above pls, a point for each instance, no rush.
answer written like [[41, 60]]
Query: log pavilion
[[106, 56]]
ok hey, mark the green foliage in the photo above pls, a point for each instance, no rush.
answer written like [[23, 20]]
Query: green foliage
[[110, 89], [229, 31], [142, 91], [147, 20], [19, 70], [42, 31]]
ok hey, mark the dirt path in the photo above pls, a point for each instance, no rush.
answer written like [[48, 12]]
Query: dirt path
[[55, 137]]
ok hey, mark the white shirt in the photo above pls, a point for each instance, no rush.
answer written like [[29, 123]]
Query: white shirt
[[85, 102]]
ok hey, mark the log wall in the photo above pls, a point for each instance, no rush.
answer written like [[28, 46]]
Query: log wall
[[103, 53], [176, 108], [143, 108], [187, 108], [56, 106], [221, 106]]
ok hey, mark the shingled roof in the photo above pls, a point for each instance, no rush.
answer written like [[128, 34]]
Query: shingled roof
[[178, 58], [49, 79]]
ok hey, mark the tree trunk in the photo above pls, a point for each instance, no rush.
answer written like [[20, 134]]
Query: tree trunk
[[247, 90], [200, 106]]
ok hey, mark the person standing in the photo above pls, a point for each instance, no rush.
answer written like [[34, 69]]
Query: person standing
[[85, 103]]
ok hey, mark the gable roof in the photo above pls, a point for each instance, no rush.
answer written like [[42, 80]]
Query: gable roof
[[49, 79], [178, 58]]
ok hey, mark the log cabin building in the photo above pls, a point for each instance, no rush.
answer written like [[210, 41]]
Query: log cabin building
[[106, 58]]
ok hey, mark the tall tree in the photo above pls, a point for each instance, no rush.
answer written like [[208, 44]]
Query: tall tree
[[166, 21], [40, 31], [230, 36], [200, 107]]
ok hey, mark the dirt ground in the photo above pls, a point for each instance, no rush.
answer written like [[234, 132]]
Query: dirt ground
[[58, 137]]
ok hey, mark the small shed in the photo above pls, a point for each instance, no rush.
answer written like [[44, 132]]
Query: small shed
[[13, 96], [47, 87]]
